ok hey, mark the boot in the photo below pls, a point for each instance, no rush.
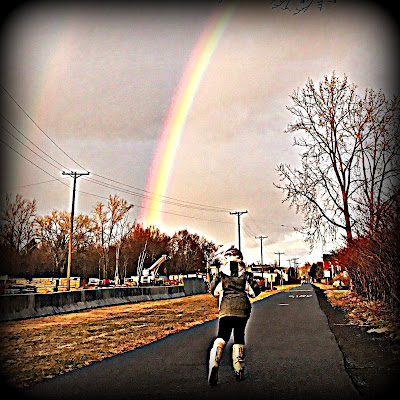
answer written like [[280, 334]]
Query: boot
[[238, 360], [215, 357]]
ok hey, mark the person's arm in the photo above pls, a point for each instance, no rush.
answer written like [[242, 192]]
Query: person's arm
[[252, 288], [216, 286]]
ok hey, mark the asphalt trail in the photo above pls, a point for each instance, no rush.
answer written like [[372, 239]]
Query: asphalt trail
[[290, 354]]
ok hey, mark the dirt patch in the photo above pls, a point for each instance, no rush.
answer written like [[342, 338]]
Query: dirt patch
[[35, 349]]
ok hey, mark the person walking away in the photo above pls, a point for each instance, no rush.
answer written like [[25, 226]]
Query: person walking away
[[233, 285]]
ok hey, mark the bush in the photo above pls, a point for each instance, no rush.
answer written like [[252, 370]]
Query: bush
[[373, 261]]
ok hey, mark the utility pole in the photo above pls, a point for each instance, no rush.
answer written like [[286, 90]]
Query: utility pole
[[74, 175], [238, 213], [295, 263], [279, 257], [261, 240]]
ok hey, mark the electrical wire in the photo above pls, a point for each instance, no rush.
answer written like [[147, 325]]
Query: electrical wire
[[32, 184], [166, 197], [30, 141], [247, 233], [37, 166], [157, 197], [163, 211], [146, 194], [106, 198], [34, 152], [48, 137], [194, 206], [90, 179]]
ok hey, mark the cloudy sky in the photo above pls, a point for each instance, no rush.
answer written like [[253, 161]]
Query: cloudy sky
[[97, 81]]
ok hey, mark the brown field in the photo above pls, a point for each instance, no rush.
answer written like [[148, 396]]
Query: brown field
[[40, 348]]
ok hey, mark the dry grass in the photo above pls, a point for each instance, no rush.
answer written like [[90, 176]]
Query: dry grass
[[40, 348], [362, 312]]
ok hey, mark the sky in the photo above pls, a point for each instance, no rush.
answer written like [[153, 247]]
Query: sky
[[91, 87]]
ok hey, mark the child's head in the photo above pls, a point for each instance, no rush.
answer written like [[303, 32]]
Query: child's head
[[233, 254]]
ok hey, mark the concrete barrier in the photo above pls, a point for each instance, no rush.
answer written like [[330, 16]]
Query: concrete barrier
[[194, 286], [20, 306]]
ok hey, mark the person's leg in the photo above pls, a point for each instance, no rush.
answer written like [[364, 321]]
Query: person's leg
[[238, 347], [239, 329], [225, 326], [224, 333]]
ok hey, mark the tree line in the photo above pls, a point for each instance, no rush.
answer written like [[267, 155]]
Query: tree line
[[347, 183], [103, 242]]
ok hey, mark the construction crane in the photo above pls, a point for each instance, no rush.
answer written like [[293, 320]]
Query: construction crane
[[148, 275]]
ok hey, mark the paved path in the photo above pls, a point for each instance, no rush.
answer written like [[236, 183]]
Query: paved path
[[291, 354]]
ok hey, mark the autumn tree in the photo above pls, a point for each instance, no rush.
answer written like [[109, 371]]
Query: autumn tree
[[189, 251], [208, 248], [17, 223], [373, 261], [304, 271], [348, 159], [147, 243], [53, 231], [184, 251]]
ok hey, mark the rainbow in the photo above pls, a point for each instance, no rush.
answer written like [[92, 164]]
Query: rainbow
[[163, 161]]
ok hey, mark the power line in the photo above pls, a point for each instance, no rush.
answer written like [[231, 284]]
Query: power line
[[34, 152], [30, 141], [253, 233], [163, 196], [106, 198], [112, 187], [32, 184], [161, 211], [37, 166], [195, 206], [48, 137], [199, 207], [247, 233], [154, 196], [254, 222], [184, 203]]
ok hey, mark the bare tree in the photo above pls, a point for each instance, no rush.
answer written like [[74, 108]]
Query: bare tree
[[301, 6], [111, 221], [123, 231], [375, 123], [17, 222], [321, 189], [349, 161]]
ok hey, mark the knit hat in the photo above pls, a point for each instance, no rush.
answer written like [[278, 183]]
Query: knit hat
[[232, 252]]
